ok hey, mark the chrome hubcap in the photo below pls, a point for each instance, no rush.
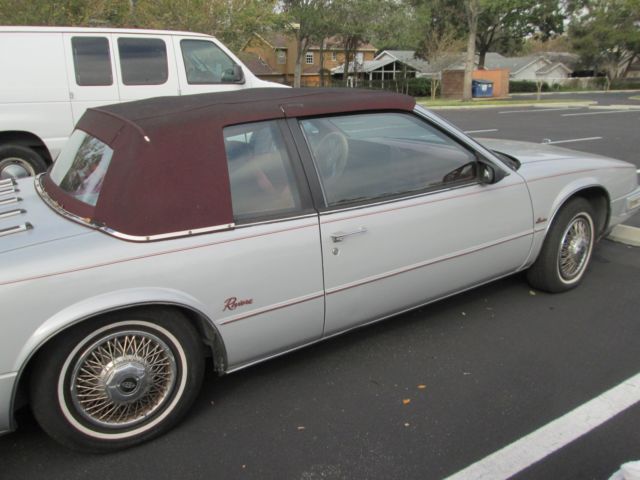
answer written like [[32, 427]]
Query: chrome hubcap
[[122, 379], [14, 167], [575, 248]]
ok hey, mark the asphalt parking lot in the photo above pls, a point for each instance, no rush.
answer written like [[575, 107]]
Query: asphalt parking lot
[[426, 394], [608, 127]]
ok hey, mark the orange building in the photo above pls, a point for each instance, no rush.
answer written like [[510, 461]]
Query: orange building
[[274, 57]]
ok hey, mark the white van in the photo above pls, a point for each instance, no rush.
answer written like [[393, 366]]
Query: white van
[[50, 75]]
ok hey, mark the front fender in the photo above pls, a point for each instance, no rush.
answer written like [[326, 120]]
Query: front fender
[[548, 196], [565, 194]]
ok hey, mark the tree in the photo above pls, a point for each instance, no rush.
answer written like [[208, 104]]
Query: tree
[[233, 21], [472, 8], [354, 20], [306, 21], [442, 25], [606, 35], [505, 23]]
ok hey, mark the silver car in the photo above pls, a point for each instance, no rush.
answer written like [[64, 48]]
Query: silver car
[[235, 227]]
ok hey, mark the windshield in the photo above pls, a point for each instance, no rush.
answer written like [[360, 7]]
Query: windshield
[[81, 167]]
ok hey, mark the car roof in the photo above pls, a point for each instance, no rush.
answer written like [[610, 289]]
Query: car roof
[[100, 30], [254, 104], [168, 174]]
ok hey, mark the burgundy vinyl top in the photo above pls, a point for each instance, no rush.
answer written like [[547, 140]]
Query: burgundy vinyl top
[[169, 173]]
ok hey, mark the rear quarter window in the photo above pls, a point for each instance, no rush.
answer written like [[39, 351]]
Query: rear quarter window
[[81, 167]]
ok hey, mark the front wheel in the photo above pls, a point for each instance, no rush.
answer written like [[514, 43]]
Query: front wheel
[[122, 380], [567, 250]]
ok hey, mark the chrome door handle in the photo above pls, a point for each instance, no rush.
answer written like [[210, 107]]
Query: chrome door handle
[[340, 236]]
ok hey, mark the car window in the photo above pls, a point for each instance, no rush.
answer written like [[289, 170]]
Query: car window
[[143, 61], [260, 173], [91, 61], [81, 167], [206, 63], [369, 156]]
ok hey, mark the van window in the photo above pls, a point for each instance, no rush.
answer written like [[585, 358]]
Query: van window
[[205, 63], [143, 61], [91, 61]]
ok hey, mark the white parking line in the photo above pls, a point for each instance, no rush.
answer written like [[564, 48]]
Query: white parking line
[[482, 131], [608, 112], [573, 140], [541, 109], [539, 444]]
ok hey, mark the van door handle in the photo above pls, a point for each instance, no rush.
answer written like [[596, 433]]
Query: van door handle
[[340, 236]]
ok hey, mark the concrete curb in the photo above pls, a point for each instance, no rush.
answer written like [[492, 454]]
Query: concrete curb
[[580, 92], [625, 234], [616, 107], [504, 105]]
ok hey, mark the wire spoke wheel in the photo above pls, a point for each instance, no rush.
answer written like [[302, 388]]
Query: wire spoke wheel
[[575, 248], [567, 248], [122, 379]]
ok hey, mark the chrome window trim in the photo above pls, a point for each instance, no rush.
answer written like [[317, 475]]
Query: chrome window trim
[[114, 233], [165, 236], [275, 220]]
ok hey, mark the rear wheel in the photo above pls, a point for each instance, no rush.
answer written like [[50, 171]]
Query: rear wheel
[[119, 381], [567, 250], [17, 161]]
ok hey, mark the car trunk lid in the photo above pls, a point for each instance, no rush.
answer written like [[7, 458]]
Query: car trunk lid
[[25, 220]]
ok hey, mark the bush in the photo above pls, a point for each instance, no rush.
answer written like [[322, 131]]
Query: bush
[[626, 84], [419, 87], [526, 86]]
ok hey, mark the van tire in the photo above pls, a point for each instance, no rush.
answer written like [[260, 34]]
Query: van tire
[[17, 161]]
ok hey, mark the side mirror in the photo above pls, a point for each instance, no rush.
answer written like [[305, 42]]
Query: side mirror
[[238, 74], [489, 174], [234, 75]]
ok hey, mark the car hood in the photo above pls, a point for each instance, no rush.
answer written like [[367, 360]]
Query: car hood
[[528, 153], [31, 220]]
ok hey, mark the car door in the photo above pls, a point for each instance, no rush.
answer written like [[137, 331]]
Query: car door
[[406, 216]]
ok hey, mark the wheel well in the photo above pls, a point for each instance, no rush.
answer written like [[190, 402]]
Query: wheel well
[[26, 139], [599, 200], [199, 321]]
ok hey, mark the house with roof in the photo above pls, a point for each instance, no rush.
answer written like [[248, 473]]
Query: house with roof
[[549, 67], [388, 65], [274, 57]]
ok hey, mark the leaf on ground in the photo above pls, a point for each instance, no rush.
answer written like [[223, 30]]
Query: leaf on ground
[[406, 401]]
